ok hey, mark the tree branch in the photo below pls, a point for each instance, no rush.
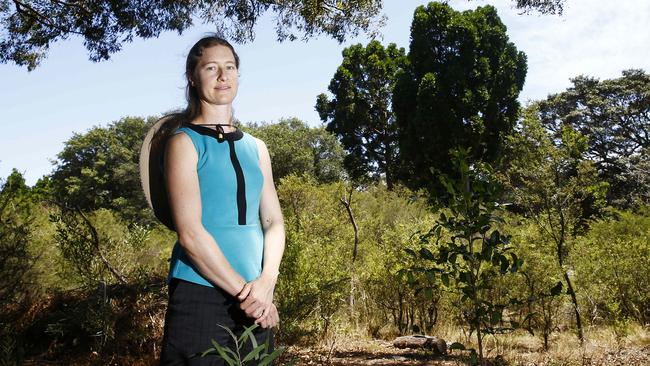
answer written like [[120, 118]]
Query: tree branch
[[95, 236]]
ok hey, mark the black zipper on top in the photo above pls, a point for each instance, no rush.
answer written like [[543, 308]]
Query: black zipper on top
[[231, 137]]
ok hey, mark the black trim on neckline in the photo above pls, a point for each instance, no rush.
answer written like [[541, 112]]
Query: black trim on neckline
[[227, 136]]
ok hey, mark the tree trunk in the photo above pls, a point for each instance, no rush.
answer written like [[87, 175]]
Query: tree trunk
[[575, 306], [347, 204], [480, 342]]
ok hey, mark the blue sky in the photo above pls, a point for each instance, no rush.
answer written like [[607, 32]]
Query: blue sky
[[67, 93]]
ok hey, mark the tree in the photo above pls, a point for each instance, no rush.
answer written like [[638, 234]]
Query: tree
[[361, 112], [296, 148], [99, 169], [459, 90], [15, 234], [615, 116], [31, 26], [549, 178]]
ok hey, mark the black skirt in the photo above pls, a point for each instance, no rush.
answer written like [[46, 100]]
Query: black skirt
[[192, 321]]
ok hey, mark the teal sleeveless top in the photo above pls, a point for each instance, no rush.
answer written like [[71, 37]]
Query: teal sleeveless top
[[230, 181]]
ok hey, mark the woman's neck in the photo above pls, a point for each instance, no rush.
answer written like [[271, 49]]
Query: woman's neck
[[214, 114]]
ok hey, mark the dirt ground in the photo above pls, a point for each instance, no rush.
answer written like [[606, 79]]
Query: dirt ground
[[379, 352], [516, 350]]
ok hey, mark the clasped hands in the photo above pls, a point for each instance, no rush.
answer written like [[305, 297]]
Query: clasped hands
[[256, 300]]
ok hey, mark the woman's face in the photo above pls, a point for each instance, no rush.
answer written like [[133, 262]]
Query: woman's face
[[215, 77]]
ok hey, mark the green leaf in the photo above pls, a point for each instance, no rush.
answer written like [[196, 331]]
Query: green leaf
[[464, 277], [557, 289], [445, 279], [268, 359], [515, 263], [458, 346], [222, 353], [438, 231], [431, 275], [209, 350], [247, 333], [495, 318], [426, 254], [504, 263], [254, 353], [232, 335], [411, 252]]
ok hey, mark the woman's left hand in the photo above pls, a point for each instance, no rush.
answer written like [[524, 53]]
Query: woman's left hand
[[270, 319], [257, 296]]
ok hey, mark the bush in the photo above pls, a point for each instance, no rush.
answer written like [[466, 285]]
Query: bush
[[613, 264]]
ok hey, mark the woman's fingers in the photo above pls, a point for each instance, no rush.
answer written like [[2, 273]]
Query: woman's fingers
[[276, 315], [243, 294], [264, 320], [270, 318]]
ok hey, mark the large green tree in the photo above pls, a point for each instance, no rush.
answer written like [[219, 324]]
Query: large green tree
[[99, 169], [31, 26], [551, 180], [360, 113], [460, 90], [295, 148], [615, 116]]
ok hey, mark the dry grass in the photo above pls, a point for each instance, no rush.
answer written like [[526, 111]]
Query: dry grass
[[600, 348], [520, 348]]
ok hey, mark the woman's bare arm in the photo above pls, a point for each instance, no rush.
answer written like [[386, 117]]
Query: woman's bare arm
[[258, 294]]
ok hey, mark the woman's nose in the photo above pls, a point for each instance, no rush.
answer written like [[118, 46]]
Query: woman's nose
[[221, 74]]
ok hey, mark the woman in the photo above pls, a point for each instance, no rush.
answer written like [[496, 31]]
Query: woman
[[226, 213]]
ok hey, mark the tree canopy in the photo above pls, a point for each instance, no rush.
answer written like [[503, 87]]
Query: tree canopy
[[360, 113], [542, 6], [614, 115], [296, 148], [460, 89], [31, 26], [99, 169]]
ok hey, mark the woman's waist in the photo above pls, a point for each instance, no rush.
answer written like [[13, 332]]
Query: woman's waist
[[235, 233], [230, 225]]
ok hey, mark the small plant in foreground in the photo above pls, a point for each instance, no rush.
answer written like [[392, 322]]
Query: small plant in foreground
[[259, 353]]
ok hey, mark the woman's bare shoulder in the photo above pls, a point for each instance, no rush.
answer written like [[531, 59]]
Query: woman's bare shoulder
[[180, 143]]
